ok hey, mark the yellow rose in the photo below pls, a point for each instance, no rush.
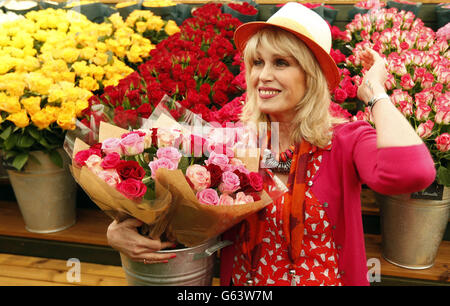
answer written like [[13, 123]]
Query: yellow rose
[[52, 112], [89, 84], [20, 119], [31, 104], [66, 120], [9, 104], [97, 72], [81, 68], [134, 55], [171, 28], [70, 55], [41, 119], [87, 53], [141, 26], [80, 106], [28, 64], [56, 95], [101, 59], [101, 47], [39, 83]]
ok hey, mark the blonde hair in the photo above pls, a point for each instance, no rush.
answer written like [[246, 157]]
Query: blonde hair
[[313, 121]]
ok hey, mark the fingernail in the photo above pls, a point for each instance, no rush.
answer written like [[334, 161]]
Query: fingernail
[[173, 256]]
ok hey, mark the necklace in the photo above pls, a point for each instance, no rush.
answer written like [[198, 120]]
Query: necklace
[[282, 163]]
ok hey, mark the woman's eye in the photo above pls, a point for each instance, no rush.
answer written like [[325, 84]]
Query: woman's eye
[[257, 62], [281, 62]]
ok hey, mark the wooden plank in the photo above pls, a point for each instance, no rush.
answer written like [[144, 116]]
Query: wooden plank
[[11, 281], [90, 227], [439, 272], [57, 271], [56, 264]]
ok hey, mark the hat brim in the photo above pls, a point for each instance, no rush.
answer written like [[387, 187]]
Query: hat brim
[[326, 62]]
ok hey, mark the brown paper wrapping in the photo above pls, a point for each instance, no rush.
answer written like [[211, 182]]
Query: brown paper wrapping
[[192, 222], [112, 202]]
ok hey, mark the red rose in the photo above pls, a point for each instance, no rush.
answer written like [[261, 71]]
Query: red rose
[[82, 156], [120, 117], [340, 95], [216, 175], [255, 181], [132, 117], [130, 169], [243, 178], [111, 161], [132, 188], [145, 110]]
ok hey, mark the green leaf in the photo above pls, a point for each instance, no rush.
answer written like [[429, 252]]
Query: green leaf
[[35, 134], [20, 161], [443, 176], [5, 134], [10, 142], [56, 158], [25, 141], [183, 164]]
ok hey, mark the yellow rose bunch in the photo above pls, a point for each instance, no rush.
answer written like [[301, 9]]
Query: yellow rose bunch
[[158, 3]]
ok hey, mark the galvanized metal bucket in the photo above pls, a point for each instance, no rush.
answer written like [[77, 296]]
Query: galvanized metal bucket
[[46, 194], [412, 229], [192, 267]]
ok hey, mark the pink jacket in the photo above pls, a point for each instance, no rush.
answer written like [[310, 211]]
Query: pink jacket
[[353, 160]]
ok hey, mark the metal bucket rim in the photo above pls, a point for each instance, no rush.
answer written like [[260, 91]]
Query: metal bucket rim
[[190, 248]]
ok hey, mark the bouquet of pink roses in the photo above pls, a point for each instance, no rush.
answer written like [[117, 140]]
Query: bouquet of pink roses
[[158, 175]]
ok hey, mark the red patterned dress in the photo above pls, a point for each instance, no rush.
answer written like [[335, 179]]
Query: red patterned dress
[[318, 260]]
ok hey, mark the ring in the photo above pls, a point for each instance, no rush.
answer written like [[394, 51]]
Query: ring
[[145, 261]]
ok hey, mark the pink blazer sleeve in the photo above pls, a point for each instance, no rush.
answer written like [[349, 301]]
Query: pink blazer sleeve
[[392, 170]]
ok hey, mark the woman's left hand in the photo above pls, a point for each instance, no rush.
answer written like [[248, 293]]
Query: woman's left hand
[[376, 76]]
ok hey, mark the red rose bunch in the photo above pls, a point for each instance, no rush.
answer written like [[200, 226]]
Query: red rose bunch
[[244, 8]]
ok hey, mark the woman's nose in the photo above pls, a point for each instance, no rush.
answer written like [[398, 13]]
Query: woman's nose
[[266, 73]]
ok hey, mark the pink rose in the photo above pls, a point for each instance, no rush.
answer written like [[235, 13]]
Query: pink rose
[[406, 107], [147, 137], [168, 137], [199, 177], [161, 163], [111, 145], [132, 189], [422, 112], [406, 81], [225, 199], [427, 80], [220, 160], [242, 198], [170, 153], [93, 163], [208, 196], [230, 182], [424, 130], [442, 114], [443, 142], [132, 144], [110, 176], [111, 161]]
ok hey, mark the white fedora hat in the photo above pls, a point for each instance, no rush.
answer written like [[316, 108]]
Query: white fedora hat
[[306, 25]]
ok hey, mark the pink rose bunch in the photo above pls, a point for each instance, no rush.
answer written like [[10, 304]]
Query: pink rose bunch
[[418, 64], [224, 181], [123, 162]]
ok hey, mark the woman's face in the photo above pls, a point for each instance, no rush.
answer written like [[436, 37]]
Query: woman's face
[[279, 83]]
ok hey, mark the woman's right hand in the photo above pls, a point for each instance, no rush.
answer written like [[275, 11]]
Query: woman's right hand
[[124, 237]]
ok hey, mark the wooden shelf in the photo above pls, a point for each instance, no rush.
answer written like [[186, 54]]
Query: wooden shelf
[[90, 227]]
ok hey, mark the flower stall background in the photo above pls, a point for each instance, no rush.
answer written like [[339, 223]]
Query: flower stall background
[[121, 69]]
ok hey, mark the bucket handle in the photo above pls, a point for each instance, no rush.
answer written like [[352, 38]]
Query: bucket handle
[[211, 250]]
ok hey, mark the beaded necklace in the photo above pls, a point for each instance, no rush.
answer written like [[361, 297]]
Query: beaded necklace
[[280, 163]]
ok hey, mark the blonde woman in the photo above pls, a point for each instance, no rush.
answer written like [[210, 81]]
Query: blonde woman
[[313, 234]]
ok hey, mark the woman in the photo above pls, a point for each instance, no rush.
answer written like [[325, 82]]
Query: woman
[[313, 234]]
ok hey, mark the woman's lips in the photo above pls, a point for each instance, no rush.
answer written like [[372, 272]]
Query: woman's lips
[[267, 93]]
